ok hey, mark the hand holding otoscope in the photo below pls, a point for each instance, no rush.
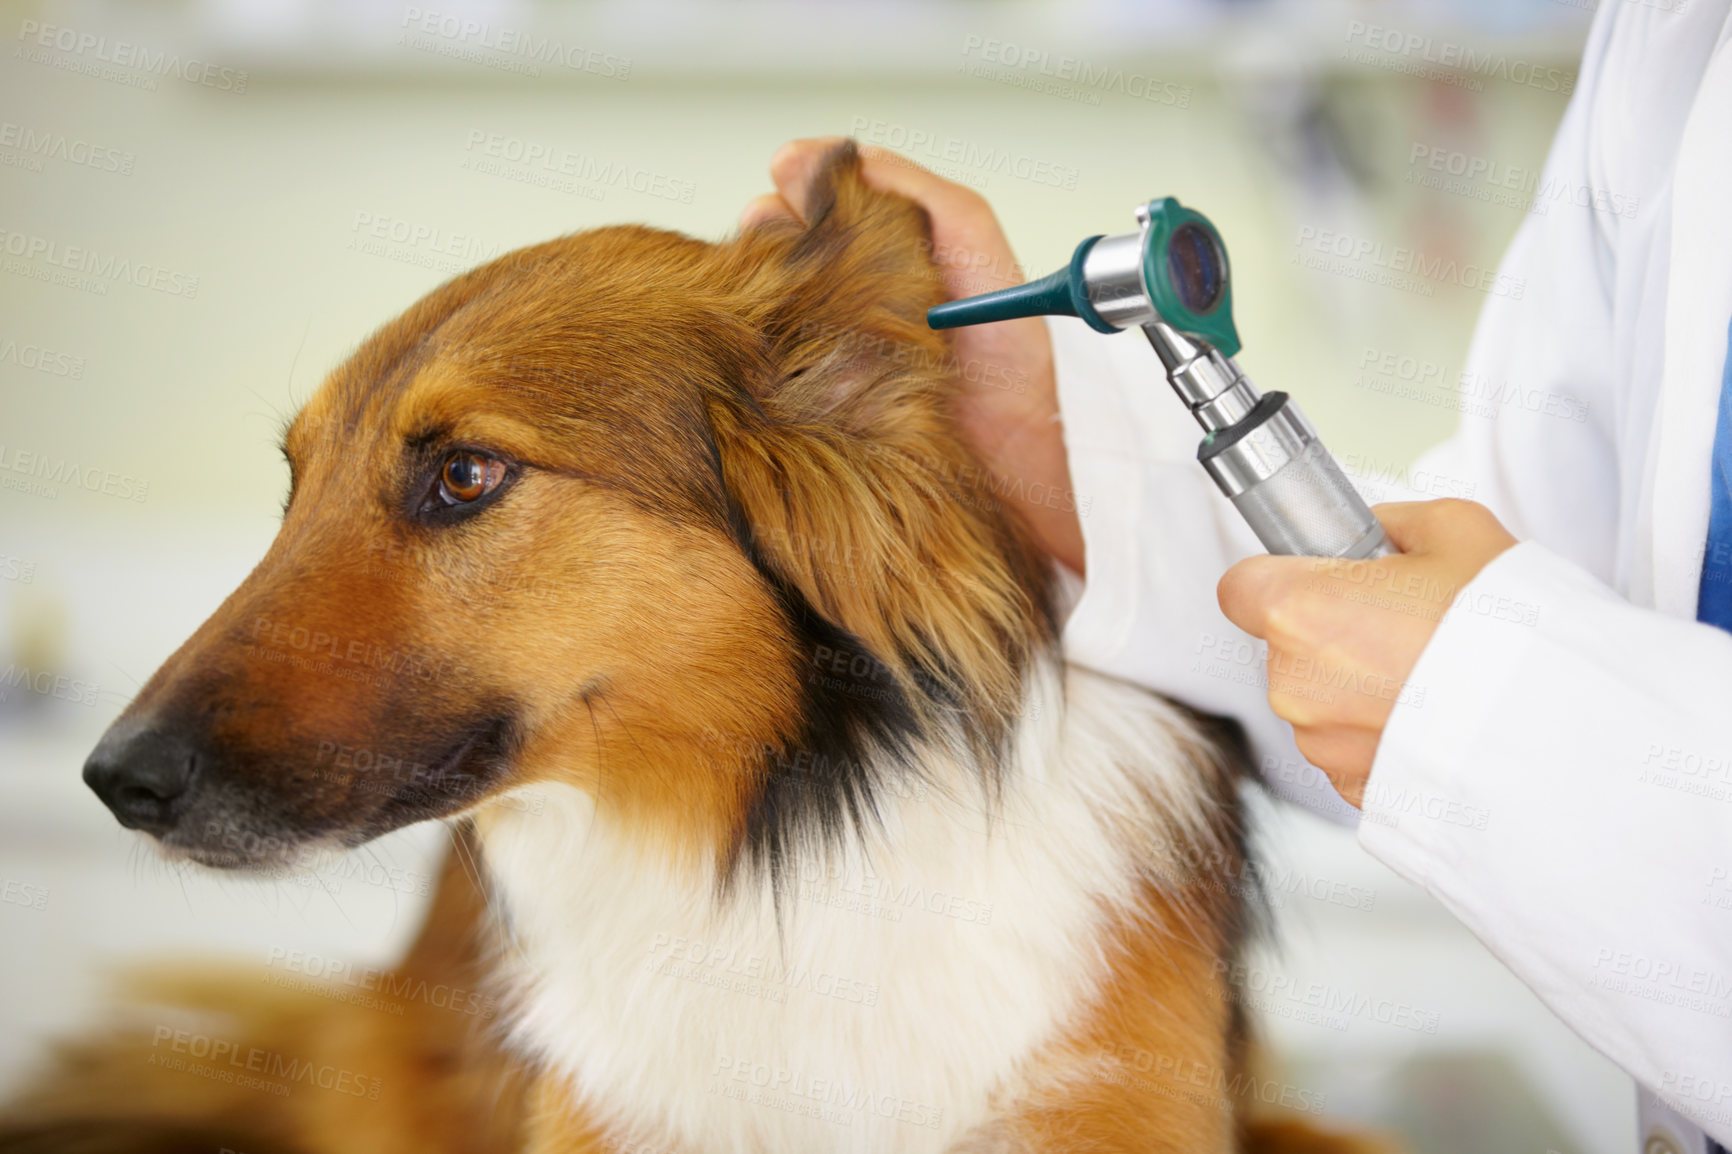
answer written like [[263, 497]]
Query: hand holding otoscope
[[1171, 278]]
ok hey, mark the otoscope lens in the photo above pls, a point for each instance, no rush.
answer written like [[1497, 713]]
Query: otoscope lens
[[1197, 268]]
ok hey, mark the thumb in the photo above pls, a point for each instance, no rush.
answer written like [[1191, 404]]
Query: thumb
[[1411, 525], [1446, 524], [1247, 590]]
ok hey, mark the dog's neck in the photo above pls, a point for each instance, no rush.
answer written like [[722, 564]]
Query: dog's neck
[[914, 965]]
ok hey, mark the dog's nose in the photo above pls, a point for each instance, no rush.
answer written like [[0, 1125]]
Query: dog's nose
[[141, 774]]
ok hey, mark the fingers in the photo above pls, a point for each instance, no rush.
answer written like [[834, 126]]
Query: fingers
[[794, 167], [763, 209], [1345, 753], [971, 246], [891, 172]]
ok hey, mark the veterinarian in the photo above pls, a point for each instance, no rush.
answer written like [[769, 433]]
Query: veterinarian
[[1532, 704]]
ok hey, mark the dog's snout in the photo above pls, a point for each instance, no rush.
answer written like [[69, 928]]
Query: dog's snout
[[142, 775]]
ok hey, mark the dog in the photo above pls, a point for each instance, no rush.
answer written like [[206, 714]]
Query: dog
[[658, 569]]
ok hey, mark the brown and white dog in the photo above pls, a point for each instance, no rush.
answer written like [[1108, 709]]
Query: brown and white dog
[[662, 563]]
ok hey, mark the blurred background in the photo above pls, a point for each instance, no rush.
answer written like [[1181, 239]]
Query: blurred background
[[254, 185]]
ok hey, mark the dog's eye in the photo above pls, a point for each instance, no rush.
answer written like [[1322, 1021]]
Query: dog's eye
[[468, 476], [459, 483]]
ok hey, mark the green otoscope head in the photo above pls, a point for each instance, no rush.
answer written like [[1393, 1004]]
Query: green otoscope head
[[1173, 270]]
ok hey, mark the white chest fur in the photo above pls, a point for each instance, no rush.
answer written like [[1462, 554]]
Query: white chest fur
[[909, 975]]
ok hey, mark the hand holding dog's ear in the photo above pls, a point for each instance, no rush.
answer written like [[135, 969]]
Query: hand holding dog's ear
[[1007, 406]]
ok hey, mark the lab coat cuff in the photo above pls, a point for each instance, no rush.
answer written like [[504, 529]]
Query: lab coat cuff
[[1426, 803]]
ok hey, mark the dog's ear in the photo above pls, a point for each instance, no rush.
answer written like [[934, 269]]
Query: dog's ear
[[855, 490], [846, 292]]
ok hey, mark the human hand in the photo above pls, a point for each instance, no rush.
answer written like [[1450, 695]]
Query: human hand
[[1344, 635], [1007, 408]]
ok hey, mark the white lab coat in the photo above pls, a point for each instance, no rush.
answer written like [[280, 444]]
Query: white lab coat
[[1559, 774]]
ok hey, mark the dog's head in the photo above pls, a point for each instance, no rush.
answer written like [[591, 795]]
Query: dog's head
[[684, 525]]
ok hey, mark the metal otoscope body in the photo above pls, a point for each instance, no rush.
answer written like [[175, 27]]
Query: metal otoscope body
[[1170, 278]]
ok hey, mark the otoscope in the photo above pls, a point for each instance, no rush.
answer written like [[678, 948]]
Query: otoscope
[[1170, 277]]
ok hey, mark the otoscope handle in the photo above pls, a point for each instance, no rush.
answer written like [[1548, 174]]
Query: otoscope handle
[[1295, 497]]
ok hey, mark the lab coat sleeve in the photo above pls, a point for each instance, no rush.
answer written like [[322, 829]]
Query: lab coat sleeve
[[1559, 774], [1558, 369], [1157, 536], [1561, 780]]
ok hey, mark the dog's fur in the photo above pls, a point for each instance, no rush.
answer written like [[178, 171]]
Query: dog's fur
[[798, 835]]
